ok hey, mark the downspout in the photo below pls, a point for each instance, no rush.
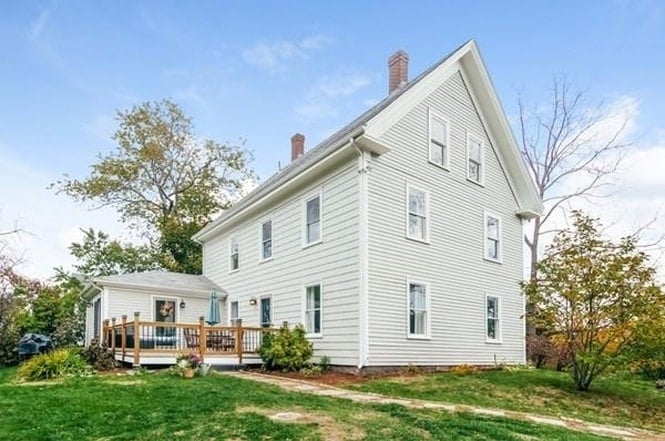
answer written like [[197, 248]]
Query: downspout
[[363, 297]]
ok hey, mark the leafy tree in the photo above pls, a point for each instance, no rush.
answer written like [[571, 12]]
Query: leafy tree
[[592, 293], [162, 177], [98, 255]]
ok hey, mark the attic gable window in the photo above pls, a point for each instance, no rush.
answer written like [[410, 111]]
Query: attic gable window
[[438, 140], [266, 240], [234, 263], [475, 163], [312, 233]]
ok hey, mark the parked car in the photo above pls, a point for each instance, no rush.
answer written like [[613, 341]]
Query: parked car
[[33, 344]]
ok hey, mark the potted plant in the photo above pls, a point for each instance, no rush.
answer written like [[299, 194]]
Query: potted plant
[[188, 364]]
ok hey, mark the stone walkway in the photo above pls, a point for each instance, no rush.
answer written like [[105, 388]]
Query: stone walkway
[[626, 433]]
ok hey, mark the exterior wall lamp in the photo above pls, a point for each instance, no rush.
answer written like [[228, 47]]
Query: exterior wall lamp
[[182, 304], [252, 301]]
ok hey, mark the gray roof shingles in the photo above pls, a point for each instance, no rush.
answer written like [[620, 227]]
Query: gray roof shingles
[[162, 279]]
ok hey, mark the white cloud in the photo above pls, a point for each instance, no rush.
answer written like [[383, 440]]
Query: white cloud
[[274, 55], [50, 221], [320, 102]]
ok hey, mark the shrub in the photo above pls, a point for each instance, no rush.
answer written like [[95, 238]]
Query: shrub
[[55, 364], [324, 363], [100, 357], [287, 350]]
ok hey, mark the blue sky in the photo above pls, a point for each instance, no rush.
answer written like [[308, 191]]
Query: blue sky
[[262, 71]]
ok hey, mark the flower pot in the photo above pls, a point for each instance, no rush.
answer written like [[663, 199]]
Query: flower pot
[[203, 370], [188, 373]]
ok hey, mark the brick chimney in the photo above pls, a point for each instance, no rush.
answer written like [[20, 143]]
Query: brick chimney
[[398, 70], [297, 146]]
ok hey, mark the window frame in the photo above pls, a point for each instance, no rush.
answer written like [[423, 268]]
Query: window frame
[[427, 216], [499, 259], [470, 137], [232, 320], [498, 325], [262, 240], [432, 114], [311, 196], [231, 237], [272, 314], [428, 311], [304, 309]]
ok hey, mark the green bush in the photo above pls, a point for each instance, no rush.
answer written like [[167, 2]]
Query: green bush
[[287, 350], [55, 364], [99, 356]]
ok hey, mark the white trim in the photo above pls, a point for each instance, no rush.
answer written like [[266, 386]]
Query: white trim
[[428, 311], [312, 195], [303, 309], [176, 313], [272, 240], [235, 234], [428, 219], [432, 114], [499, 319], [363, 299], [230, 318], [470, 137], [499, 259]]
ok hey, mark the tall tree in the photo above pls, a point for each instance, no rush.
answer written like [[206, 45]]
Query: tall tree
[[162, 177], [571, 151], [592, 293]]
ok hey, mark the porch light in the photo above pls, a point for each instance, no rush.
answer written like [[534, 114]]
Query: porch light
[[252, 301], [182, 304]]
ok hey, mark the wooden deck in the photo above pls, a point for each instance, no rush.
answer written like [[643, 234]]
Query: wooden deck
[[159, 343]]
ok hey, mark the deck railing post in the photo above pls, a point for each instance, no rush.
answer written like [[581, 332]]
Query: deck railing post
[[137, 340], [202, 337], [123, 337], [239, 339], [113, 335]]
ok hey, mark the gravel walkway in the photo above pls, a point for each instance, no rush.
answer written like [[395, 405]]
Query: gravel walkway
[[626, 433]]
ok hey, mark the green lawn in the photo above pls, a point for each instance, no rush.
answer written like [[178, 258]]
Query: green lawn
[[160, 407], [627, 402]]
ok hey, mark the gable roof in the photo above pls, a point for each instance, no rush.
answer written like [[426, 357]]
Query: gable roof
[[528, 199], [161, 281]]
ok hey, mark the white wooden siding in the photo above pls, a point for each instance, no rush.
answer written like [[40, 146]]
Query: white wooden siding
[[334, 263], [452, 263]]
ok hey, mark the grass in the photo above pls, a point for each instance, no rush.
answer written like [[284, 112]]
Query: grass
[[617, 401], [160, 407]]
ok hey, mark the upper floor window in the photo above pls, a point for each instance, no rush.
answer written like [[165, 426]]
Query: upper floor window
[[475, 163], [492, 237], [417, 214], [418, 305], [313, 307], [234, 263], [493, 327], [266, 240], [438, 140], [313, 220]]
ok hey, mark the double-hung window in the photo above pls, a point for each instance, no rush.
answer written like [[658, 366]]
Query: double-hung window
[[418, 305], [492, 237], [266, 240], [417, 214], [313, 308], [493, 327], [234, 256], [438, 140], [474, 154], [313, 220]]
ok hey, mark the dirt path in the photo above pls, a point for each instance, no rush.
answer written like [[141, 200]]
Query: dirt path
[[626, 433]]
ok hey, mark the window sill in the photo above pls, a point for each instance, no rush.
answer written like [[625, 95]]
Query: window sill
[[309, 245], [489, 259], [418, 337], [314, 336], [265, 260], [479, 184], [493, 341], [441, 166], [234, 271], [415, 239]]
